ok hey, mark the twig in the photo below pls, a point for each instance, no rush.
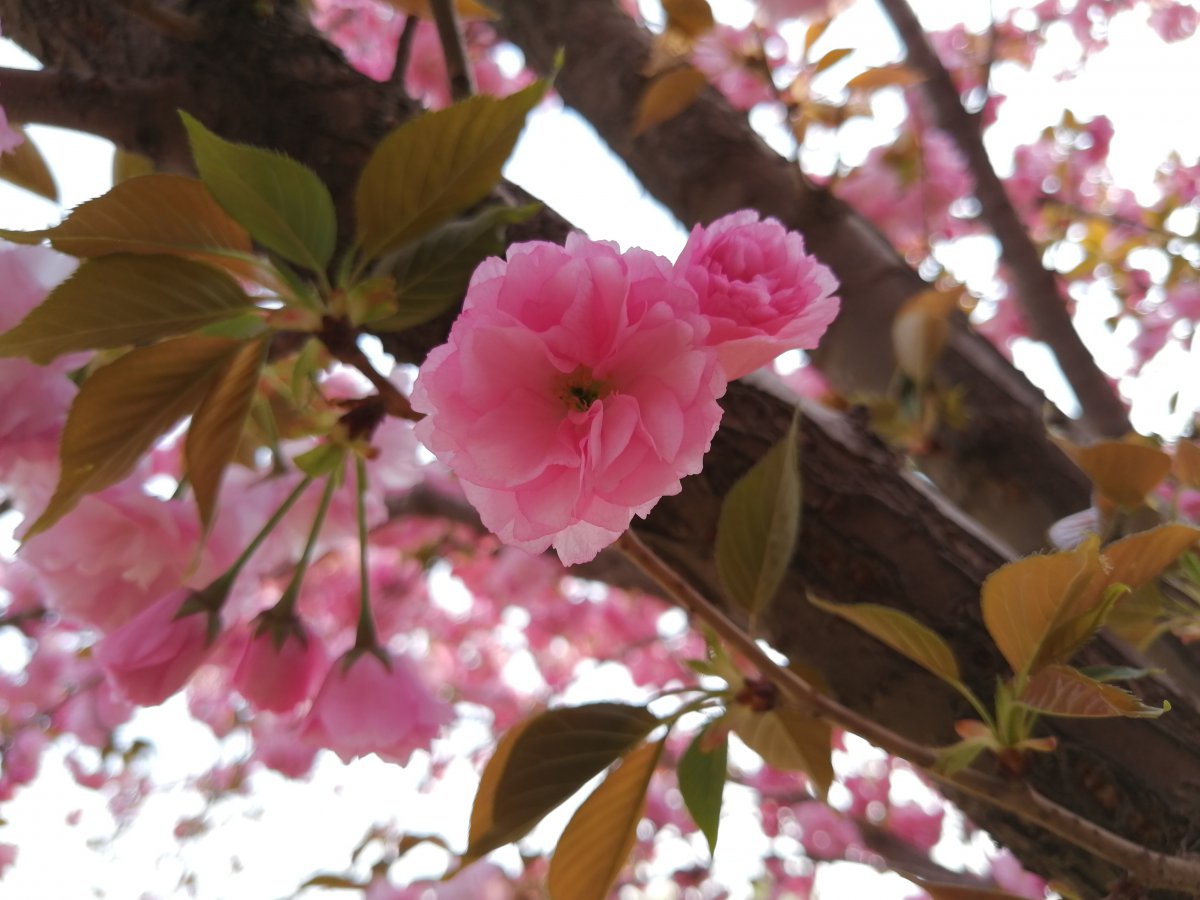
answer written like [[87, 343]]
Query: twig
[[404, 50], [169, 21], [1037, 291], [462, 83], [342, 342], [1153, 869]]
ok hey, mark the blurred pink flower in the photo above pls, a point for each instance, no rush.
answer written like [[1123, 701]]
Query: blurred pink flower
[[824, 832], [780, 10], [365, 706], [280, 667], [910, 822], [573, 393], [1010, 876], [1175, 21], [760, 291], [735, 63], [8, 856], [152, 655], [9, 139]]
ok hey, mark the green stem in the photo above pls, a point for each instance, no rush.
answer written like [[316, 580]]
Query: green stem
[[270, 526], [366, 637], [287, 603]]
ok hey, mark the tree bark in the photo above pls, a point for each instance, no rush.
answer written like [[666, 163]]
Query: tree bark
[[872, 530]]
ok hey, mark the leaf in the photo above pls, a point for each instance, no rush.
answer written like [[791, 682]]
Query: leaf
[[666, 95], [152, 214], [1063, 691], [127, 165], [123, 408], [690, 17], [431, 274], [1123, 472], [832, 58], [814, 32], [953, 759], [321, 460], [121, 300], [901, 632], [788, 740], [1186, 463], [893, 75], [216, 427], [25, 167], [920, 330], [282, 203], [1139, 558], [1024, 600], [757, 528], [1108, 674], [596, 842], [550, 757], [701, 773], [437, 165]]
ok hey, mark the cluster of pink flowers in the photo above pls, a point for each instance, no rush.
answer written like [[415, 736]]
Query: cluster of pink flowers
[[580, 384]]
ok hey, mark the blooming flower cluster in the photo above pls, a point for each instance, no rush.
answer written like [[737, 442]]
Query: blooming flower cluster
[[580, 384]]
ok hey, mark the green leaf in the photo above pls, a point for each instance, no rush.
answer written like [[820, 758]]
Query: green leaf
[[953, 759], [321, 459], [757, 528], [1109, 674], [25, 167], [788, 740], [281, 202], [901, 632], [216, 428], [123, 408], [121, 300], [701, 773], [1063, 691], [436, 166], [545, 760], [596, 842], [431, 274], [150, 214]]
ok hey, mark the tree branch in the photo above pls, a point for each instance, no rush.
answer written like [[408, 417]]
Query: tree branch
[[1156, 870], [462, 82], [1037, 289]]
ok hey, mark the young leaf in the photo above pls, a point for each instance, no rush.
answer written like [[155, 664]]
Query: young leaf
[[128, 164], [552, 756], [1186, 463], [891, 75], [1025, 599], [691, 17], [167, 214], [123, 408], [281, 202], [832, 58], [431, 274], [788, 740], [1123, 472], [216, 427], [120, 300], [596, 842], [436, 166], [757, 528], [1142, 557], [667, 95], [1063, 691], [953, 759], [701, 773], [901, 632], [25, 167]]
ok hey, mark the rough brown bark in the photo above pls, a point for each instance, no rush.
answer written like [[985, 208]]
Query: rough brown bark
[[871, 531]]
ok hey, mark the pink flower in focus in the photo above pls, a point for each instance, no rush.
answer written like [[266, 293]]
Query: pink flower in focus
[[367, 706], [151, 656], [761, 293], [280, 666], [573, 393]]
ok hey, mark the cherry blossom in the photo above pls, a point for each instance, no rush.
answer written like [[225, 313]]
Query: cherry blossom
[[281, 665], [573, 393], [367, 705], [760, 291]]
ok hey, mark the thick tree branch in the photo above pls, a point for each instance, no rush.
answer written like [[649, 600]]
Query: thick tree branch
[[1037, 289]]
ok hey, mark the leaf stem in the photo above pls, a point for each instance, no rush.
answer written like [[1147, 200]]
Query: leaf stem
[[1151, 868]]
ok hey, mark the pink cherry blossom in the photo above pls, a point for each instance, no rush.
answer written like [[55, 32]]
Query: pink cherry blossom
[[367, 706], [1010, 876], [760, 291], [280, 667], [1175, 21], [573, 393], [152, 655], [277, 745], [912, 823], [9, 139], [781, 10], [825, 833], [733, 60]]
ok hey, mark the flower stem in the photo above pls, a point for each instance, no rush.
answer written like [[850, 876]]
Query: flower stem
[[287, 603], [366, 637]]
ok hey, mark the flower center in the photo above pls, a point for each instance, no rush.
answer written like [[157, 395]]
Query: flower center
[[580, 390]]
